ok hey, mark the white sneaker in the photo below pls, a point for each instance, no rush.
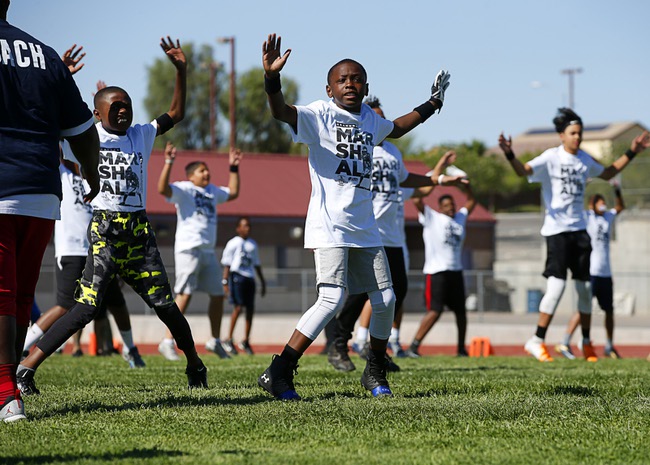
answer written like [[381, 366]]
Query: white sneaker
[[538, 350], [12, 410], [167, 350], [216, 346]]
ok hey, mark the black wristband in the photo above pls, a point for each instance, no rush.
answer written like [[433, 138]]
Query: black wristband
[[272, 85], [234, 168], [630, 154], [510, 156], [165, 123], [425, 110]]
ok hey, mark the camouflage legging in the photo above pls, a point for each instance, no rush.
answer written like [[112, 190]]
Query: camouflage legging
[[123, 243]]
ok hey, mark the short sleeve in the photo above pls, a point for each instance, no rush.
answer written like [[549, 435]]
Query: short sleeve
[[308, 126], [177, 193], [426, 217], [403, 172], [256, 255], [461, 216], [221, 194], [539, 165], [228, 253], [384, 127], [594, 169]]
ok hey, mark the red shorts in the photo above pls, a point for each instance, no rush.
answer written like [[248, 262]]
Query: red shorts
[[23, 240]]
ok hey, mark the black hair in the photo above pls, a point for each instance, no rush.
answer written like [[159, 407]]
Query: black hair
[[372, 101], [347, 60], [242, 218], [192, 166], [564, 118], [594, 199], [102, 93], [445, 197]]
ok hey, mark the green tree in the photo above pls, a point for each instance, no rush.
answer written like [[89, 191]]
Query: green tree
[[257, 130], [194, 131]]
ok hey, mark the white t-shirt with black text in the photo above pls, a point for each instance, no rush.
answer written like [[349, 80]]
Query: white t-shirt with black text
[[71, 231], [340, 144], [241, 255], [443, 240], [599, 229], [564, 178], [123, 161], [388, 171], [196, 214]]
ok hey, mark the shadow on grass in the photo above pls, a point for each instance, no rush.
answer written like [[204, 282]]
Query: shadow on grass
[[581, 391], [107, 457], [461, 369], [169, 401]]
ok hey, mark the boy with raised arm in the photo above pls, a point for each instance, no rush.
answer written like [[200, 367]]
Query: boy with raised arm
[[563, 172], [340, 226], [121, 238]]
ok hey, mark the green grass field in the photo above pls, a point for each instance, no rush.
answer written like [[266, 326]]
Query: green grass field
[[445, 410]]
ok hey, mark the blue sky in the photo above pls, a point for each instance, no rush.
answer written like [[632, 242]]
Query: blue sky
[[495, 51]]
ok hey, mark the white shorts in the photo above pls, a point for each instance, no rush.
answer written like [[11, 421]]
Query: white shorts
[[357, 269], [198, 270]]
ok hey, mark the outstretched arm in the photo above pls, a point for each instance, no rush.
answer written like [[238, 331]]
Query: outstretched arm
[[619, 206], [420, 114], [177, 57], [522, 169], [71, 58], [85, 147], [273, 62], [419, 203], [233, 181], [471, 200], [426, 183], [163, 181], [639, 144]]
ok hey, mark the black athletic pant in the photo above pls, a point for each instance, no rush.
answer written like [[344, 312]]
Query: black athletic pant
[[353, 306]]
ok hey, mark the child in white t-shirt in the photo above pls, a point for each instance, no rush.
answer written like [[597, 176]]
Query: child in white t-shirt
[[599, 227], [121, 239], [563, 172], [241, 260], [340, 226], [195, 258]]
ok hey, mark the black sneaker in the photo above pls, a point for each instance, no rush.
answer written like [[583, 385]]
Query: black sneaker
[[413, 352], [25, 382], [392, 366], [77, 353], [338, 357], [462, 353], [133, 358], [229, 347], [374, 376], [277, 379], [246, 347], [197, 377]]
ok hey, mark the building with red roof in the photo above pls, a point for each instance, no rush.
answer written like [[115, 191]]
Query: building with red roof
[[274, 193]]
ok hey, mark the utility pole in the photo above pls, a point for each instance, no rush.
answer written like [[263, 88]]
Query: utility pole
[[233, 117], [571, 72]]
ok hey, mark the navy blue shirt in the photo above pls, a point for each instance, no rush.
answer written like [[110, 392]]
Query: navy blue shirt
[[39, 104]]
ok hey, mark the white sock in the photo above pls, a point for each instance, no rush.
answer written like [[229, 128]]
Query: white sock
[[394, 335], [537, 339], [34, 334], [127, 338], [168, 341], [362, 335]]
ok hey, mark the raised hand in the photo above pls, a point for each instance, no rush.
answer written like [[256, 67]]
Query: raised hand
[[272, 60], [174, 52], [235, 156], [640, 143], [506, 144], [439, 87], [170, 152], [71, 58], [448, 158]]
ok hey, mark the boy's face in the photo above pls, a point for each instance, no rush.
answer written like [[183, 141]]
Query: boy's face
[[448, 207], [243, 229], [115, 112], [200, 176], [572, 137], [347, 86], [600, 207]]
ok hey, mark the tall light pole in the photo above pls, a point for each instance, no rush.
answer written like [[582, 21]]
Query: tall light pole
[[233, 120], [571, 72], [212, 67]]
